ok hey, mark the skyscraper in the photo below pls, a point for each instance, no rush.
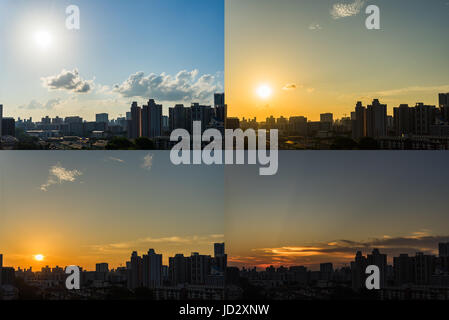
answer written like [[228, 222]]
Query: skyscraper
[[152, 269], [1, 118], [135, 124], [102, 117], [380, 260], [376, 119], [359, 122], [219, 99], [443, 249], [151, 119]]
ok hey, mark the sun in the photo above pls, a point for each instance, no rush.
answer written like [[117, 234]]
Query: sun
[[264, 91], [39, 257], [43, 39]]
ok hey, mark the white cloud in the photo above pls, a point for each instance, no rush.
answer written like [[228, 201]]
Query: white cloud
[[36, 105], [116, 159], [315, 26], [342, 10], [68, 80], [59, 175], [147, 161], [184, 86]]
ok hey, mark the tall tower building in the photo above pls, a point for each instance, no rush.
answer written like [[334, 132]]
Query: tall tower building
[[1, 118], [376, 119], [135, 124], [443, 249], [359, 122], [152, 269], [151, 119]]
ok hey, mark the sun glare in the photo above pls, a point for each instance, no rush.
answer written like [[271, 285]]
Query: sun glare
[[264, 92], [43, 39], [39, 257]]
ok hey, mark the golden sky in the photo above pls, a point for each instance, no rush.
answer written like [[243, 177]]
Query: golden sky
[[315, 61]]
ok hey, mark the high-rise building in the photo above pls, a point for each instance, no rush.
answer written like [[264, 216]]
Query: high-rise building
[[403, 120], [102, 267], [443, 103], [358, 268], [359, 121], [327, 117], [376, 119], [102, 117], [220, 260], [179, 269], [201, 113], [135, 272], [8, 127], [152, 269], [219, 99], [151, 119], [135, 124], [443, 100], [424, 116], [219, 249], [180, 118], [403, 267], [200, 268], [298, 125], [1, 118], [380, 260], [443, 249]]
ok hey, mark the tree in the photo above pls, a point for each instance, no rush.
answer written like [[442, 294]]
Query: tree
[[120, 143], [368, 143], [344, 143], [144, 143]]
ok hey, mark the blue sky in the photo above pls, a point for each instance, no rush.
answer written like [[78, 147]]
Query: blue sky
[[116, 40]]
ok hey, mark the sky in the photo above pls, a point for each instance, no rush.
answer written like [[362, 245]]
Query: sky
[[169, 50], [317, 56], [324, 206], [82, 208]]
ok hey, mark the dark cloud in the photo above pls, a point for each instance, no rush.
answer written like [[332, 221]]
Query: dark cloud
[[340, 251], [68, 80]]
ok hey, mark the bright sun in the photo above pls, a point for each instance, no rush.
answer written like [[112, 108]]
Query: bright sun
[[39, 257], [264, 92], [43, 39]]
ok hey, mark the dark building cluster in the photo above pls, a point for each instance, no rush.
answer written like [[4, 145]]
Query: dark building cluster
[[190, 277], [409, 127], [147, 121]]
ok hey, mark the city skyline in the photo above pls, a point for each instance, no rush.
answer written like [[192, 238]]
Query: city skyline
[[324, 206], [308, 57], [132, 206], [157, 50]]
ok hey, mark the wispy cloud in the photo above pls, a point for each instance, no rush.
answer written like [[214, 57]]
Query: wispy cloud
[[315, 26], [343, 10], [59, 175], [290, 86], [36, 105], [144, 243], [116, 159], [147, 161]]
